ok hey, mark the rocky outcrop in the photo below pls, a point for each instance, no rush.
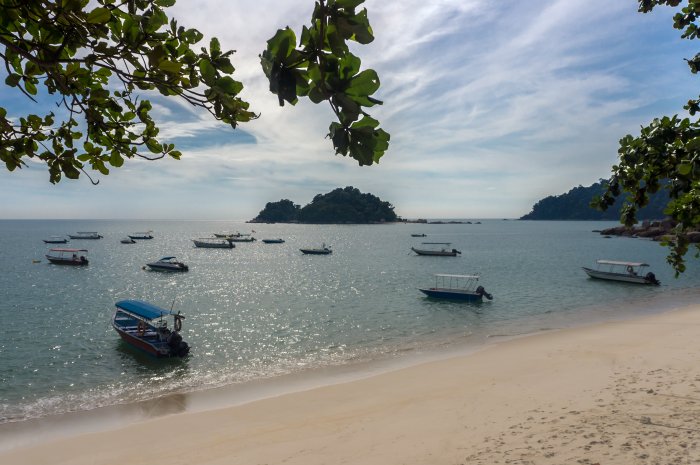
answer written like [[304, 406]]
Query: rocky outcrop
[[655, 230]]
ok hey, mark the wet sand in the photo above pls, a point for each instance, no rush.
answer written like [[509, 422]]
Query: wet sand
[[625, 392]]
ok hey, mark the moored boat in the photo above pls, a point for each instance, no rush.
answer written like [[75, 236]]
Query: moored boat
[[128, 240], [141, 235], [441, 252], [213, 243], [145, 326], [628, 272], [418, 235], [273, 241], [458, 287], [85, 235], [56, 240], [167, 264], [323, 250], [73, 257]]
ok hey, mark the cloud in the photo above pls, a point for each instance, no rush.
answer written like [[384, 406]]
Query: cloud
[[490, 106]]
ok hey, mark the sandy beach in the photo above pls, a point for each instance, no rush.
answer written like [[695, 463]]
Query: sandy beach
[[625, 392]]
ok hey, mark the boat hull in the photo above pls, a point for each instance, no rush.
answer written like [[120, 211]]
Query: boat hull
[[213, 245], [167, 267], [273, 241], [66, 261], [55, 241], [436, 253], [620, 277], [452, 294], [316, 252]]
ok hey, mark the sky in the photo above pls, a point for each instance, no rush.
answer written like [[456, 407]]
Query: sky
[[491, 106]]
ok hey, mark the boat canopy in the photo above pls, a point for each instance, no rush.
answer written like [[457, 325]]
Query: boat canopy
[[615, 262], [463, 276], [166, 258], [437, 243], [143, 309], [68, 250]]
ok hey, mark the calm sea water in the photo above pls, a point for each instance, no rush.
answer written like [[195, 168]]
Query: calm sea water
[[264, 310]]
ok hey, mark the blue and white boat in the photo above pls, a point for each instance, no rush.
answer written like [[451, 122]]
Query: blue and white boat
[[145, 327], [458, 287], [627, 272]]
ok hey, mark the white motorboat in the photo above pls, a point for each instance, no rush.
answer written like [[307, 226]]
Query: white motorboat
[[628, 272]]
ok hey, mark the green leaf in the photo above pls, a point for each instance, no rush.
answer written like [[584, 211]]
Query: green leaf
[[170, 66], [154, 146], [99, 16], [208, 71], [229, 85], [685, 168]]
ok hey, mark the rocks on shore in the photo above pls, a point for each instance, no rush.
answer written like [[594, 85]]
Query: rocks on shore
[[654, 230]]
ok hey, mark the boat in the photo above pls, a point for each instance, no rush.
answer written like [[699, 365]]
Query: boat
[[273, 241], [241, 239], [74, 257], [230, 235], [213, 243], [458, 287], [141, 235], [324, 250], [56, 240], [167, 264], [442, 252], [628, 272], [418, 235], [85, 235], [128, 240], [145, 327]]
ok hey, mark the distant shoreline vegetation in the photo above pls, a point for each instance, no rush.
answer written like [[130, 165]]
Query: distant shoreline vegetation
[[575, 205], [340, 206]]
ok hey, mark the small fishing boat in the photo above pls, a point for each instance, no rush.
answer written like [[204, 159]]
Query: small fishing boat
[[56, 240], [443, 251], [213, 243], [167, 264], [241, 239], [273, 241], [230, 235], [324, 250], [628, 272], [458, 287], [145, 326], [85, 235], [141, 235], [418, 235], [73, 257], [128, 240]]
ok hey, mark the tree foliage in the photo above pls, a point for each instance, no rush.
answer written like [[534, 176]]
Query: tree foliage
[[323, 69], [575, 205], [99, 59], [667, 149], [347, 205]]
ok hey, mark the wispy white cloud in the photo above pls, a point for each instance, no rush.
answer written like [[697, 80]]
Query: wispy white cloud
[[490, 105]]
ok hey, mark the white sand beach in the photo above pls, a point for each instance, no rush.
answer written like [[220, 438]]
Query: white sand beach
[[625, 392]]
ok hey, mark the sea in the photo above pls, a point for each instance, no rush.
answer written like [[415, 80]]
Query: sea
[[262, 315]]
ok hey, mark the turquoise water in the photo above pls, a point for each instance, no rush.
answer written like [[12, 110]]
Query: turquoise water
[[265, 310]]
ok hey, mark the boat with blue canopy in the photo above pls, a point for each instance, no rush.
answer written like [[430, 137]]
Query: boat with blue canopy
[[145, 326]]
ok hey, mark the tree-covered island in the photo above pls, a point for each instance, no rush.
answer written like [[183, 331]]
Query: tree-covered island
[[340, 206]]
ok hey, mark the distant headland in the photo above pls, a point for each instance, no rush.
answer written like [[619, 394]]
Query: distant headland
[[340, 206]]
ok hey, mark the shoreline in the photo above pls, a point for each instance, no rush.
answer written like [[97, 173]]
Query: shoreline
[[551, 368]]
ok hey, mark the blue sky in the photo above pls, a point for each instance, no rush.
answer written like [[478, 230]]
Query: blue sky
[[491, 106]]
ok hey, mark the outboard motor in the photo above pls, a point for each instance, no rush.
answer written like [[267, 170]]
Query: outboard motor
[[456, 251], [177, 346], [652, 278], [482, 292]]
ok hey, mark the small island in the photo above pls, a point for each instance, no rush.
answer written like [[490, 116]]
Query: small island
[[341, 206]]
